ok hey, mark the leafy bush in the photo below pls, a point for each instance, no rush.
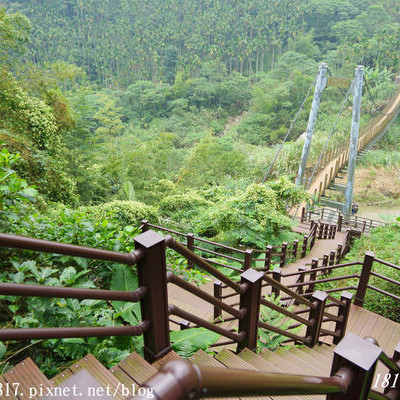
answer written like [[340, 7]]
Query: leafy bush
[[125, 211], [251, 218], [183, 206]]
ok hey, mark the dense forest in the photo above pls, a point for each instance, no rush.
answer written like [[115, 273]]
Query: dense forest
[[172, 111]]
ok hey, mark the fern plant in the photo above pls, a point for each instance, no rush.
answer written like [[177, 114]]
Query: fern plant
[[268, 339]]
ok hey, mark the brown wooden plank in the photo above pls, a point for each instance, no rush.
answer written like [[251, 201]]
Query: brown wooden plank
[[168, 357], [312, 358], [231, 360], [360, 322], [94, 370], [7, 389], [289, 368], [204, 359], [261, 364], [136, 368], [30, 379], [297, 358], [61, 377]]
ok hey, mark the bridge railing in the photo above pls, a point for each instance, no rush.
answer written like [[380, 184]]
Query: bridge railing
[[338, 155], [341, 220]]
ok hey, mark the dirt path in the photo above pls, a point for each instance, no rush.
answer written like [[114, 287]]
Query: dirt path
[[380, 213], [232, 122]]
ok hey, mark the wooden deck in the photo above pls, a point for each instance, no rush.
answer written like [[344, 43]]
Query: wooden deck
[[365, 323]]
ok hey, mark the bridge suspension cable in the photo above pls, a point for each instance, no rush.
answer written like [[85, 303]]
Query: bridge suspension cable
[[330, 134], [372, 99], [289, 130]]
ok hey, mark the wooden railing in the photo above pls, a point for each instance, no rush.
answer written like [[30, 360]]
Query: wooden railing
[[342, 221], [353, 366], [239, 259], [153, 278], [319, 273]]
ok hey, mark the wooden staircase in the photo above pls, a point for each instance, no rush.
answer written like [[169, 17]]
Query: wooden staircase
[[88, 378]]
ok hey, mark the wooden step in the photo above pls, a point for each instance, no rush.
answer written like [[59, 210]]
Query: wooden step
[[263, 365], [26, 381], [206, 360], [91, 380], [313, 357], [133, 369], [231, 360], [298, 360], [168, 357], [320, 365], [290, 368]]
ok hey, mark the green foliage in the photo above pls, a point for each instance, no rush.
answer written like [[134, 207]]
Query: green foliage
[[268, 339], [183, 206], [188, 341], [385, 243], [211, 159], [127, 212], [15, 194], [252, 218]]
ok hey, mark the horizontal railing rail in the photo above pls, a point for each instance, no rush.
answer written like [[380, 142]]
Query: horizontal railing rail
[[22, 242]]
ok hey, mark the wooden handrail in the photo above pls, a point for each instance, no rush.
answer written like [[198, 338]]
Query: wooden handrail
[[288, 291], [178, 379], [185, 252], [178, 312], [171, 277], [13, 289], [22, 242]]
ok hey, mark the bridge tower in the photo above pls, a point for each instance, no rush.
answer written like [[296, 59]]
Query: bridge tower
[[319, 87]]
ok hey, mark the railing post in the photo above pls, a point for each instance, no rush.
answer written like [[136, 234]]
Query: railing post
[[300, 289], [316, 316], [358, 358], [303, 214], [283, 256], [268, 256], [190, 246], [313, 233], [363, 227], [250, 300], [339, 253], [331, 259], [325, 262], [184, 324], [217, 295], [321, 230], [326, 230], [394, 384], [276, 275], [145, 225], [364, 278], [313, 276], [344, 312], [340, 223], [295, 247], [304, 249], [151, 271], [322, 213], [248, 259]]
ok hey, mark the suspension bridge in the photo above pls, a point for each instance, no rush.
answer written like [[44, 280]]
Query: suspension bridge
[[341, 157]]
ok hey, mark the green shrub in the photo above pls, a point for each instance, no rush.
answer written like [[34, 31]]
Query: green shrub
[[125, 211]]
